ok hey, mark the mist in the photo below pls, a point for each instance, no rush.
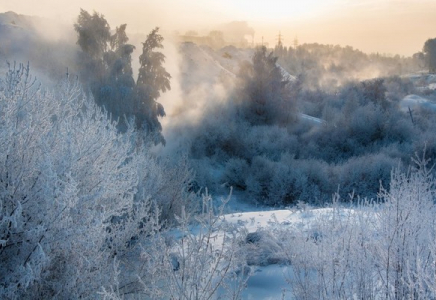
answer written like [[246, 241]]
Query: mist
[[160, 130], [389, 26]]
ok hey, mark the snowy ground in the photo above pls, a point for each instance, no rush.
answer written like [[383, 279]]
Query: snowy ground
[[312, 120], [423, 82], [415, 101], [270, 281]]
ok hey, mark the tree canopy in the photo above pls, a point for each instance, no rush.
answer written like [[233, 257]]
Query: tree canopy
[[152, 80], [106, 69], [266, 94], [430, 54]]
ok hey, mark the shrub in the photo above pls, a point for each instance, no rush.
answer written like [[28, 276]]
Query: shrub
[[235, 172], [75, 192], [66, 173]]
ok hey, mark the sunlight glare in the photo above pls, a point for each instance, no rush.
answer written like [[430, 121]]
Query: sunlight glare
[[279, 10]]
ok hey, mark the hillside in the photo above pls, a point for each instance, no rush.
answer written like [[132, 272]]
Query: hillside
[[47, 45]]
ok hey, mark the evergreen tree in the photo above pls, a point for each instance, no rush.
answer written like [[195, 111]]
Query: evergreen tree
[[265, 93], [152, 80], [93, 34], [106, 69], [119, 82], [430, 55], [93, 37]]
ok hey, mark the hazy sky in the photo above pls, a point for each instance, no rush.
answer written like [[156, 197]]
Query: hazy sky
[[385, 26]]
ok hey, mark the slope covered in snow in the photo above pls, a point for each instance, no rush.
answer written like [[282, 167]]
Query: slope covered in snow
[[202, 63], [206, 67], [199, 67], [415, 101]]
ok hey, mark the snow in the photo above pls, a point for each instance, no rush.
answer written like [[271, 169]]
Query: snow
[[312, 120], [289, 218], [286, 75], [214, 61], [415, 101], [270, 282]]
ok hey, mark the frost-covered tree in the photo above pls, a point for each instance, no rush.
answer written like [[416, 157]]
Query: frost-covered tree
[[429, 51], [66, 172], [93, 36], [118, 88], [106, 68], [152, 80], [73, 191], [105, 63], [93, 33], [266, 96]]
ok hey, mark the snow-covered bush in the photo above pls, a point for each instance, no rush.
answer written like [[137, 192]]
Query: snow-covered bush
[[269, 141], [326, 260], [289, 180], [196, 260], [74, 192], [235, 173], [404, 251], [259, 179], [377, 250], [263, 248], [302, 179], [66, 172], [397, 88], [361, 174], [167, 183]]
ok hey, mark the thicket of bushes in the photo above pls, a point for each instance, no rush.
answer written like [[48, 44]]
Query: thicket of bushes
[[80, 201], [361, 136], [375, 249]]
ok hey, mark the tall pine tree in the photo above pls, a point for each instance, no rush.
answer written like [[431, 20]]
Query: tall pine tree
[[152, 80]]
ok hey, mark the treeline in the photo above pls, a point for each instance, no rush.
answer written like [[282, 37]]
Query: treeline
[[327, 67]]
